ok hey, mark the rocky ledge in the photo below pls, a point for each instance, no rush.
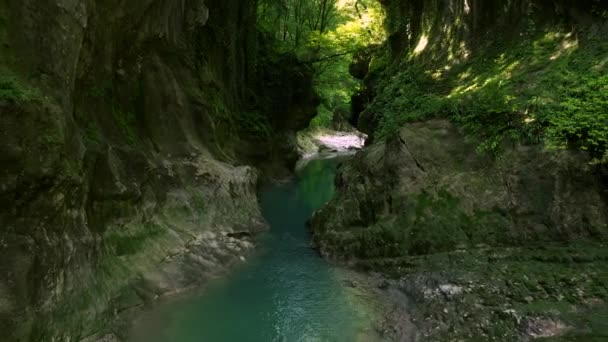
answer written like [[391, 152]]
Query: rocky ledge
[[506, 248]]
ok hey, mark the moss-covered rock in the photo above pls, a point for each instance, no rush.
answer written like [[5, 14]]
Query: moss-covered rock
[[429, 191], [426, 208]]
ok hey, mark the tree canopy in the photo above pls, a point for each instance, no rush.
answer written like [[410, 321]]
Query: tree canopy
[[325, 34]]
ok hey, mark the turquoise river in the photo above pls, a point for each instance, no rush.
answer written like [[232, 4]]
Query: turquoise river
[[284, 292]]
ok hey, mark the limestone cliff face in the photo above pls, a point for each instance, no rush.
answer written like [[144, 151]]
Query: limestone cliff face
[[121, 124]]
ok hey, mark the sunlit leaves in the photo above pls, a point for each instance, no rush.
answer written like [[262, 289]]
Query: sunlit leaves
[[548, 89], [325, 33]]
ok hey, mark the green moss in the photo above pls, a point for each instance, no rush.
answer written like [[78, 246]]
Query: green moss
[[127, 122], [438, 224], [113, 284], [231, 124], [13, 90], [594, 320], [122, 113], [199, 202], [95, 293], [131, 241], [380, 61], [432, 224], [92, 133], [220, 116]]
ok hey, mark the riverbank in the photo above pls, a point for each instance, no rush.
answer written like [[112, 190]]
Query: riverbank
[[504, 294], [314, 182]]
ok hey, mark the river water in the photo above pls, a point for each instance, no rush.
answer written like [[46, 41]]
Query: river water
[[285, 292]]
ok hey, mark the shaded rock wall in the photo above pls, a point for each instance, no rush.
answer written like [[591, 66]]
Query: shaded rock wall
[[119, 124], [471, 241], [451, 25], [428, 191]]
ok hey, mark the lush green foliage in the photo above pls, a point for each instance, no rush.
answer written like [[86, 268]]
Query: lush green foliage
[[324, 118], [549, 88], [582, 117], [291, 21], [325, 33]]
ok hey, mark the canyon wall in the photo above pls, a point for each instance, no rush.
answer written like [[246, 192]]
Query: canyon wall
[[127, 128]]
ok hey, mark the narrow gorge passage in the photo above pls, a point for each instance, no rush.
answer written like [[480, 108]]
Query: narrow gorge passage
[[136, 138], [286, 292]]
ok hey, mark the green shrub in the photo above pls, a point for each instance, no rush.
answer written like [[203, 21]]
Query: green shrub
[[581, 119], [323, 119]]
